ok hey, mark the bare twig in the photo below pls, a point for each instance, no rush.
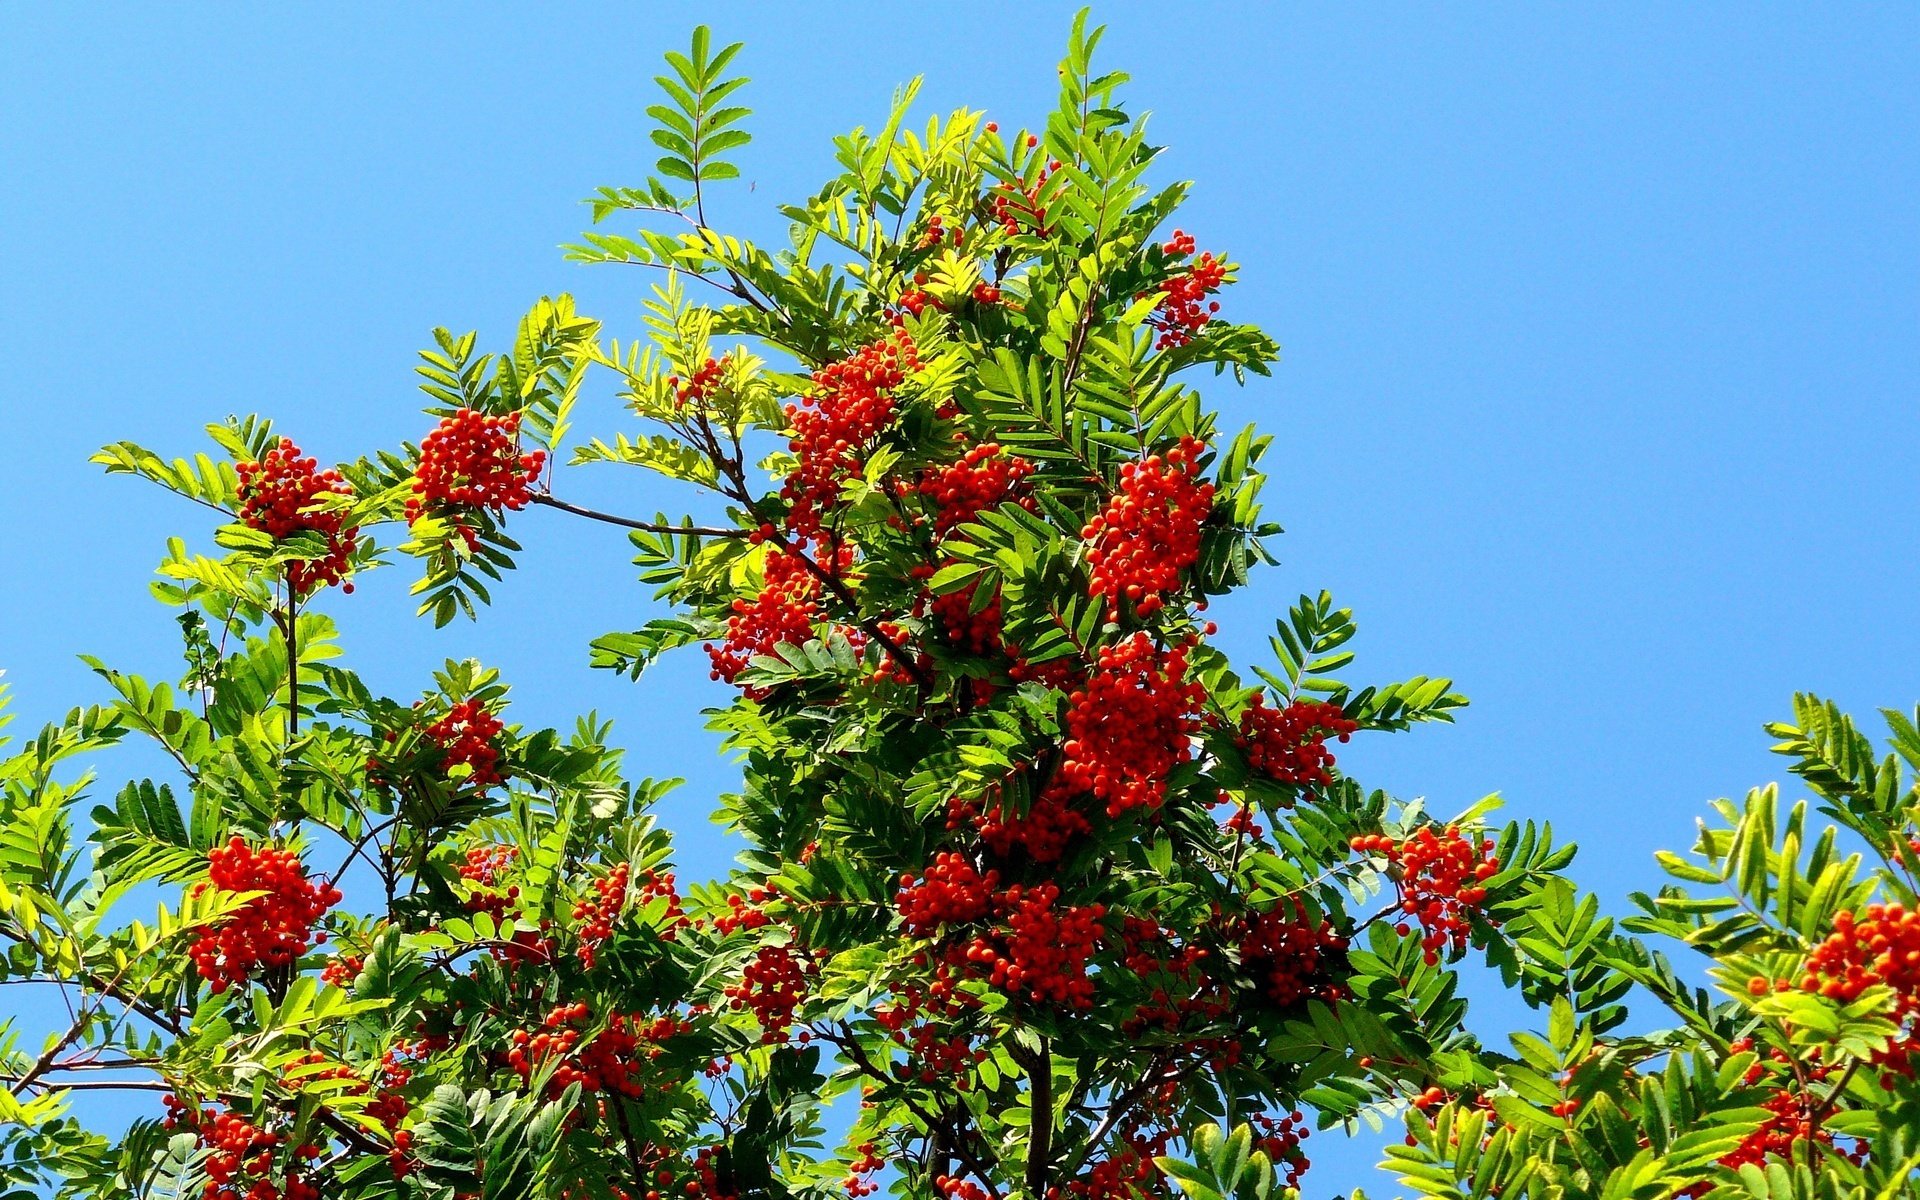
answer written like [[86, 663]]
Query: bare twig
[[551, 501]]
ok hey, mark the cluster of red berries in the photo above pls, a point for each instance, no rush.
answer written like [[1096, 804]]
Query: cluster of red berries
[[1240, 823], [1440, 877], [612, 1060], [1180, 989], [598, 914], [388, 1107], [782, 613], [1184, 309], [858, 1182], [1042, 947], [1792, 1122], [1292, 959], [1880, 945], [473, 460], [1290, 744], [239, 1163], [834, 424], [1123, 1174], [949, 892], [746, 912], [271, 930], [984, 477], [1017, 208], [915, 301], [1149, 532], [466, 738], [939, 231], [281, 495], [923, 1019], [706, 1183], [773, 984], [1794, 1114], [1043, 832], [1131, 724], [952, 1188], [696, 388], [342, 969], [976, 633], [1279, 1139], [485, 867]]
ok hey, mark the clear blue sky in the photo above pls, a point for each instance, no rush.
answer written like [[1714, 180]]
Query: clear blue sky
[[1602, 335]]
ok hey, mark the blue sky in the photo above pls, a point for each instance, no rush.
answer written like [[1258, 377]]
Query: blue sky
[[1602, 334]]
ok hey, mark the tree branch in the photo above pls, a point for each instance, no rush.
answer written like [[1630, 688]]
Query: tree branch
[[1040, 1111], [551, 501]]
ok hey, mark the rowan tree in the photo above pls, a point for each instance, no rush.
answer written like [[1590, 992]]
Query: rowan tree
[[1041, 896]]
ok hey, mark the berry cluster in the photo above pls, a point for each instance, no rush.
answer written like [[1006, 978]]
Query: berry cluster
[[1879, 945], [984, 477], [1292, 959], [598, 914], [938, 231], [239, 1163], [1792, 1130], [915, 301], [611, 1060], [1130, 725], [271, 930], [952, 1188], [976, 633], [1184, 309], [342, 969], [950, 892], [387, 1106], [1440, 878], [746, 912], [472, 460], [833, 425], [1043, 832], [695, 389], [1017, 208], [1279, 1139], [1290, 744], [1149, 532], [1178, 988], [483, 871], [466, 736], [773, 984], [783, 612], [923, 1019], [858, 1183], [1123, 1174], [281, 495], [1042, 948]]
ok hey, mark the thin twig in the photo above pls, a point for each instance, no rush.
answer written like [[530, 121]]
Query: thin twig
[[551, 501]]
